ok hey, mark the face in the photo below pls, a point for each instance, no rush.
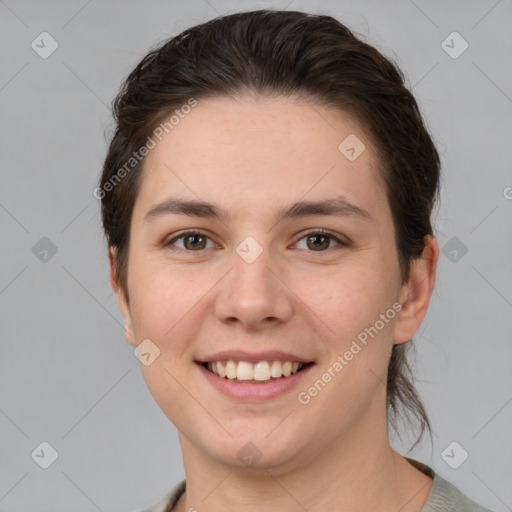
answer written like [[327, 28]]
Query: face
[[263, 282]]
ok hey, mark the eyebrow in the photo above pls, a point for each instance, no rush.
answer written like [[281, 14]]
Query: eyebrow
[[337, 206]]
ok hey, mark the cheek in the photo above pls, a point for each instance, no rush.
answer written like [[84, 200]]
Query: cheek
[[347, 299], [161, 299], [341, 300], [357, 343], [347, 305]]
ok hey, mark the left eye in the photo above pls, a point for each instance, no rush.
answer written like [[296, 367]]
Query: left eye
[[321, 240], [318, 240]]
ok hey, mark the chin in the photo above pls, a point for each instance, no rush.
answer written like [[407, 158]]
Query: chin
[[255, 446]]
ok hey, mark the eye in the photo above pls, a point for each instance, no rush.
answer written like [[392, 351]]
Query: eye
[[320, 240], [192, 240]]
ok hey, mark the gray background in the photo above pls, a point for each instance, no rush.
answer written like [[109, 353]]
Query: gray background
[[68, 377]]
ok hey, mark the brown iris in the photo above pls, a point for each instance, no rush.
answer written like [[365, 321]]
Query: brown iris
[[198, 243], [323, 245]]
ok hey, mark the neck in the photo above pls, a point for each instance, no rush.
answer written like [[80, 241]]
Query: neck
[[357, 471]]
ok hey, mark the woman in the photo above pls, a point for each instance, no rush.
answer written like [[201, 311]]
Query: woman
[[266, 200]]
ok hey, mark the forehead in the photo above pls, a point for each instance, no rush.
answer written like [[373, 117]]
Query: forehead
[[257, 151]]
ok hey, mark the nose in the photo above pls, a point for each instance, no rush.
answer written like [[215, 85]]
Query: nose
[[254, 294]]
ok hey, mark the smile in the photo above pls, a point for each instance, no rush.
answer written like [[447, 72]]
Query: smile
[[259, 381], [262, 371]]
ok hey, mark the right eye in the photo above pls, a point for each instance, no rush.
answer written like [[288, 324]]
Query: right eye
[[192, 240]]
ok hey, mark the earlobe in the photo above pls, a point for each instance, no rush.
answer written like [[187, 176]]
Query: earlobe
[[121, 298], [416, 293]]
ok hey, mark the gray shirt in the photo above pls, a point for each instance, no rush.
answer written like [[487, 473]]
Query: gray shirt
[[443, 497]]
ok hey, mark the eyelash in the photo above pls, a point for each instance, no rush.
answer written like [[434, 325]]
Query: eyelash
[[324, 232]]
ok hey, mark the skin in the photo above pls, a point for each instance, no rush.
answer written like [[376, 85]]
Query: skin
[[251, 156]]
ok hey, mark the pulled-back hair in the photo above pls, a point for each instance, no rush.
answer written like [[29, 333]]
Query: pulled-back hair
[[283, 53]]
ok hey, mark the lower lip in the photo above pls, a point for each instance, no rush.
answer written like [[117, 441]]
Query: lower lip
[[247, 392]]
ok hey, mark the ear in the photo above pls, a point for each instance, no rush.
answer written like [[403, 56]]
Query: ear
[[124, 305], [415, 294]]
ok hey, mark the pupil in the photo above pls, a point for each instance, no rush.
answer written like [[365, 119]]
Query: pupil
[[321, 245], [195, 237]]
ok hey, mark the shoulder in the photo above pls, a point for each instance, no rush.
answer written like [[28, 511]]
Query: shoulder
[[166, 504], [445, 497]]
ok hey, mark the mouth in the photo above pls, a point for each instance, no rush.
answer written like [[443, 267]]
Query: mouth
[[260, 372]]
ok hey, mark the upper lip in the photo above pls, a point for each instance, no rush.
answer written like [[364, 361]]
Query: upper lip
[[253, 357]]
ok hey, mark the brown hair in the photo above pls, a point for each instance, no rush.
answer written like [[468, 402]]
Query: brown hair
[[283, 53]]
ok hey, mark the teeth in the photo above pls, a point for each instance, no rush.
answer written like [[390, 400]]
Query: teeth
[[244, 371], [261, 371], [220, 370], [276, 370], [230, 369]]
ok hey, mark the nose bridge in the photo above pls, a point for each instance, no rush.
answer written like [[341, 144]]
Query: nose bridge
[[251, 272], [253, 293]]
